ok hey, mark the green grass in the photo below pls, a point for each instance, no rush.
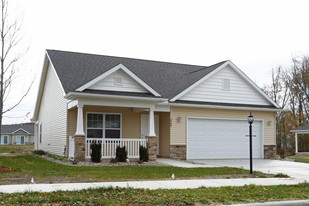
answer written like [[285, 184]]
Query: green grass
[[17, 149], [300, 158], [129, 196], [46, 171]]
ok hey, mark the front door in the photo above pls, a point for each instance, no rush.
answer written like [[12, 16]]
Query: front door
[[144, 128]]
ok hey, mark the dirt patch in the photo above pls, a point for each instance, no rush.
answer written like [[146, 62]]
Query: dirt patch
[[8, 169]]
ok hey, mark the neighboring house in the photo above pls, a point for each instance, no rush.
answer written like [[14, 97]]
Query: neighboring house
[[191, 112], [19, 134], [302, 143]]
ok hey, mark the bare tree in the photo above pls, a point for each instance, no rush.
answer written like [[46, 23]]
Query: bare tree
[[10, 37]]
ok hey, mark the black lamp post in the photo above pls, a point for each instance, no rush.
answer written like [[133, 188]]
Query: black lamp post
[[250, 121]]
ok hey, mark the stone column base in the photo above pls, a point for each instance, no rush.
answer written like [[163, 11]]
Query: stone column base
[[79, 150], [178, 152], [270, 151], [152, 148]]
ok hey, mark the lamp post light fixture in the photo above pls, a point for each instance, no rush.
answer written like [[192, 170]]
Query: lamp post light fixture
[[250, 121]]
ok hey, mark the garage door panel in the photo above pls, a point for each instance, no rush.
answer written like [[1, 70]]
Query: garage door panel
[[221, 139]]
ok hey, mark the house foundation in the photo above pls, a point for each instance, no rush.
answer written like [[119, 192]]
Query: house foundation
[[152, 148], [270, 151], [178, 152]]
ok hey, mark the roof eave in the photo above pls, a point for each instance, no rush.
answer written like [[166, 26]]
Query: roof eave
[[224, 107], [76, 95]]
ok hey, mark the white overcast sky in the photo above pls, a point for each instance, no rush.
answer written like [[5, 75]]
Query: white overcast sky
[[255, 35]]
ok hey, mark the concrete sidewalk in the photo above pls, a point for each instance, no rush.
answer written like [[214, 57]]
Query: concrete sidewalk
[[159, 184]]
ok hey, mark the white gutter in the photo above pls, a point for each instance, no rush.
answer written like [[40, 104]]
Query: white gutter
[[223, 107], [72, 95]]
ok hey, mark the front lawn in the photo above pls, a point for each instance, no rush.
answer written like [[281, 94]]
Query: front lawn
[[49, 172], [16, 149], [129, 196], [300, 158]]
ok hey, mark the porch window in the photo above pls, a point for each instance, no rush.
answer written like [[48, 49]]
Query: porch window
[[20, 139], [101, 125], [4, 139]]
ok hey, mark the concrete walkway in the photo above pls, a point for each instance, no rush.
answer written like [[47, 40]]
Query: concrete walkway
[[159, 184], [293, 169], [185, 164]]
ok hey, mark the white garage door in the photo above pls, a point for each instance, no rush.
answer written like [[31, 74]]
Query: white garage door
[[222, 139]]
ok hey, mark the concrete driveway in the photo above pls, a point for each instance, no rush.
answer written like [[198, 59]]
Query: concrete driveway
[[293, 169]]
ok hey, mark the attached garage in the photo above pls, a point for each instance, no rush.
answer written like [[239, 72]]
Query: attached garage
[[222, 138]]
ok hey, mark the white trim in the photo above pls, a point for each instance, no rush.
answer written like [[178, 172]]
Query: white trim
[[300, 131], [231, 119], [237, 70], [72, 104], [114, 69], [72, 95], [20, 129], [222, 107]]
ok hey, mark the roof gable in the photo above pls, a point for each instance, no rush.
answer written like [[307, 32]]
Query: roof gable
[[210, 88], [129, 82], [236, 90], [20, 131], [14, 128]]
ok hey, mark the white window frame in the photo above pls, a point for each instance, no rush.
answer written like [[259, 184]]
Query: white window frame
[[40, 133], [104, 128], [2, 139], [20, 139]]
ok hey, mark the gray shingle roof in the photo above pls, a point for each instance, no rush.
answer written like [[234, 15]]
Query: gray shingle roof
[[302, 128], [9, 129], [168, 79]]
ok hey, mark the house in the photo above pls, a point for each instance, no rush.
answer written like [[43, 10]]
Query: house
[[302, 143], [180, 111], [19, 134]]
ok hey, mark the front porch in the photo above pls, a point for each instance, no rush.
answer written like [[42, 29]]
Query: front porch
[[114, 126]]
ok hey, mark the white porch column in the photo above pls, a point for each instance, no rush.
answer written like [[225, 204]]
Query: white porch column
[[296, 143], [151, 123], [80, 121]]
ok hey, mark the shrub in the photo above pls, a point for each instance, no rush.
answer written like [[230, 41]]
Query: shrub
[[39, 152], [143, 154], [121, 154], [95, 152]]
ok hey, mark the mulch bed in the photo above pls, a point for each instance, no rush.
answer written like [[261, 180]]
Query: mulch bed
[[8, 169]]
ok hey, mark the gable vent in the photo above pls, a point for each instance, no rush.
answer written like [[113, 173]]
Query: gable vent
[[226, 84], [118, 81]]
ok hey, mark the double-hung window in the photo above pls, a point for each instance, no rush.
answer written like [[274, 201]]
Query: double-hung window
[[101, 125], [20, 139], [4, 139]]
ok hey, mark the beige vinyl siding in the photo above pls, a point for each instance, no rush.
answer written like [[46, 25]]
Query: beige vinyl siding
[[131, 121], [164, 141], [178, 129], [128, 84], [53, 115], [211, 90]]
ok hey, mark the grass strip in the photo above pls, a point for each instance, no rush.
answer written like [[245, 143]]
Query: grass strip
[[42, 170], [129, 196]]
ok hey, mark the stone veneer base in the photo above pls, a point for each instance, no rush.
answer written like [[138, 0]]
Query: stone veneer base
[[270, 151], [79, 150], [178, 152], [152, 148]]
